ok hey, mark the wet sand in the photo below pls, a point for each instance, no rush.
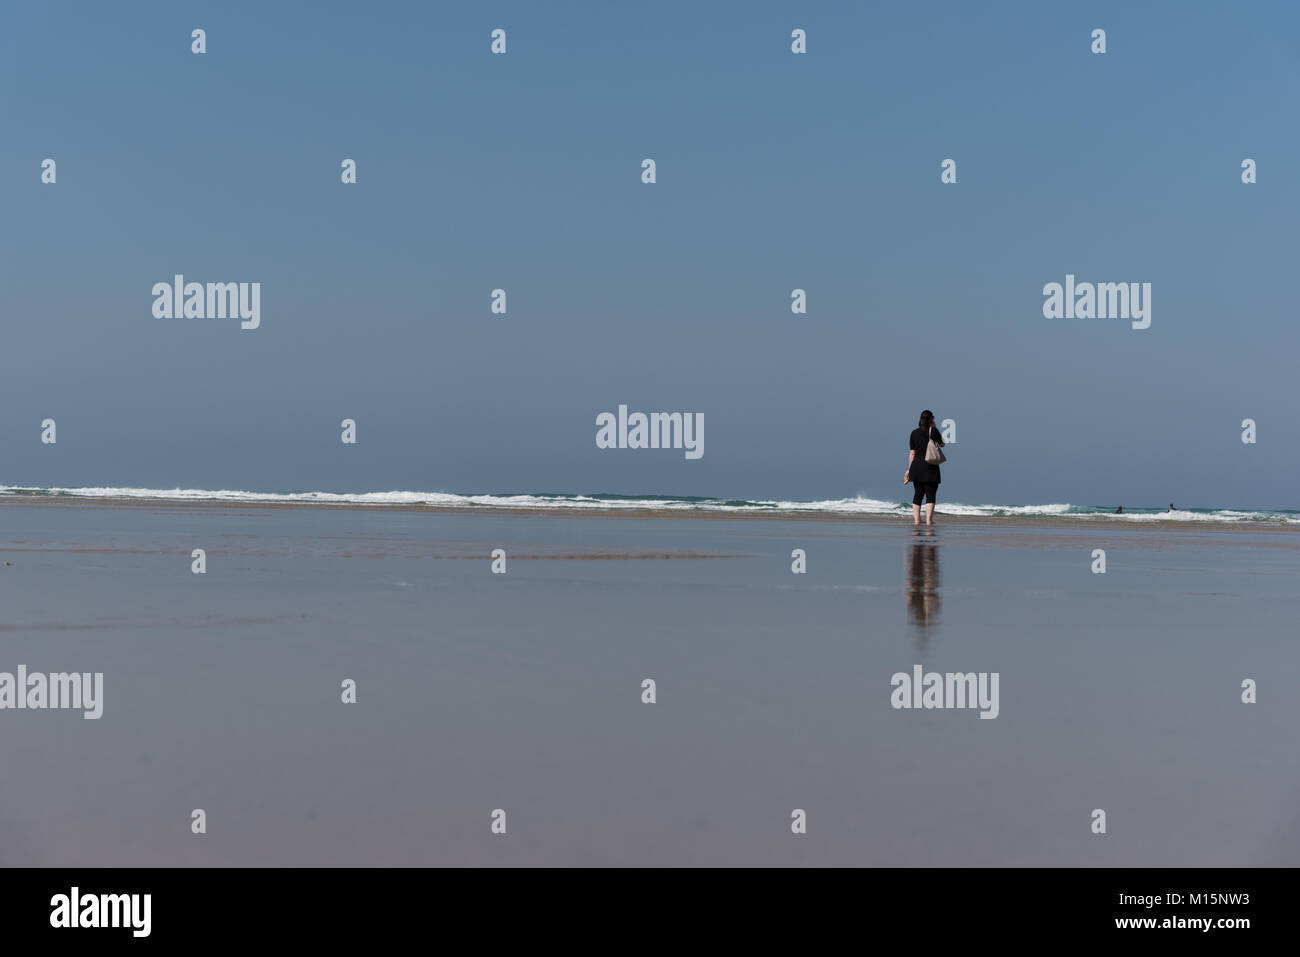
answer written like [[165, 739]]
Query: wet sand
[[523, 691]]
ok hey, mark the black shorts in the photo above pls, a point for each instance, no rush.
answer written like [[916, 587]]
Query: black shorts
[[921, 490]]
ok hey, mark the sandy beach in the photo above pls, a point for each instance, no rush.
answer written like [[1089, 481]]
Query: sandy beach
[[523, 691]]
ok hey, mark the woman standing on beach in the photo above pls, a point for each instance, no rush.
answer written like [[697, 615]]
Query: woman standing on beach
[[924, 477]]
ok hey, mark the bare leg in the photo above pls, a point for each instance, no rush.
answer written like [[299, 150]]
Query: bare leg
[[916, 515], [929, 513]]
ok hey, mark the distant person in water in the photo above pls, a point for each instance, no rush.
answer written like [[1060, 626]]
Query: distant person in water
[[924, 477], [1120, 510], [1171, 507]]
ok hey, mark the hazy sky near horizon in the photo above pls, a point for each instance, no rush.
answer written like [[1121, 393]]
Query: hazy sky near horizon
[[775, 171]]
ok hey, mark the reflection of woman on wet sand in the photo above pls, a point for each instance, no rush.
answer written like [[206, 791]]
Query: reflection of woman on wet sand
[[921, 583]]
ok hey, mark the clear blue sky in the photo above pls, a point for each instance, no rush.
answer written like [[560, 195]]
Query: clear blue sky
[[775, 171]]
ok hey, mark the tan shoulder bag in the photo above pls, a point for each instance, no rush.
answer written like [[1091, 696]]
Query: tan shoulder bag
[[934, 454]]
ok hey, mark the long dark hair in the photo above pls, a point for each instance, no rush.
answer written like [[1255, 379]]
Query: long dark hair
[[927, 420]]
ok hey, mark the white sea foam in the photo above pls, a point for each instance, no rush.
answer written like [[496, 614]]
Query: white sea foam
[[858, 505]]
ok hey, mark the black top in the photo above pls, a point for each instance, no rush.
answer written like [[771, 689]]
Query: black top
[[921, 470]]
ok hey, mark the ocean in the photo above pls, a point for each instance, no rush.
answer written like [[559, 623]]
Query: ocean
[[610, 502]]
